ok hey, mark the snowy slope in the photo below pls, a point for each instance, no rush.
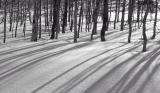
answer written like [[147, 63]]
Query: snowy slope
[[61, 66]]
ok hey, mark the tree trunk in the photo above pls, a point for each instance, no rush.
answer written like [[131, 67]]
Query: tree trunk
[[105, 20], [130, 14], [65, 17], [144, 28], [75, 21], [123, 15], [155, 21], [5, 23], [95, 17]]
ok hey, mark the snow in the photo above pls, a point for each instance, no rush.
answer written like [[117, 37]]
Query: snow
[[61, 66]]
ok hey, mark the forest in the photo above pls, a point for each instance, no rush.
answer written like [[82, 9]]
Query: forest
[[60, 16], [79, 46]]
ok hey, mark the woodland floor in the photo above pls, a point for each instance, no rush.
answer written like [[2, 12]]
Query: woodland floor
[[61, 66]]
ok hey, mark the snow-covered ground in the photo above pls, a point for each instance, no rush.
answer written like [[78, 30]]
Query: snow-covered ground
[[61, 66]]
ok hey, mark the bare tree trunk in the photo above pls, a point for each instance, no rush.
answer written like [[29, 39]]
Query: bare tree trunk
[[5, 17], [80, 17], [105, 20], [130, 14], [11, 16], [55, 24], [138, 13], [95, 17], [35, 23], [155, 21], [65, 16], [116, 14], [75, 21], [123, 15], [144, 28], [40, 19]]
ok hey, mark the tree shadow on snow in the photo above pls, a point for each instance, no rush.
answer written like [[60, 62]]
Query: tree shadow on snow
[[122, 86], [47, 83], [38, 60], [90, 70]]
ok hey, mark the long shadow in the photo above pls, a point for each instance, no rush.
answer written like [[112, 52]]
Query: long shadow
[[52, 46], [109, 73], [43, 43], [89, 71], [12, 68], [132, 82], [146, 81], [47, 83], [121, 82], [29, 54], [31, 46], [3, 60], [34, 61], [25, 47]]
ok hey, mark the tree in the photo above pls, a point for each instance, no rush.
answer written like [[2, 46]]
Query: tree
[[75, 20], [35, 22], [130, 14], [95, 17], [5, 21], [105, 19], [147, 4], [155, 20], [123, 15], [55, 24], [65, 16]]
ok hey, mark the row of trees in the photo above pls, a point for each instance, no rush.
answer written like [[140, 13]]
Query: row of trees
[[76, 14]]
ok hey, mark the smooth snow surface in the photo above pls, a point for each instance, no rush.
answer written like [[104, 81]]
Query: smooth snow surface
[[61, 66]]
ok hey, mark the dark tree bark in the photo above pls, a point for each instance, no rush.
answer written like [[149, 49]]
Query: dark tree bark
[[35, 23], [123, 15], [40, 19], [95, 17], [5, 23], [75, 21], [65, 16], [144, 27], [155, 21], [80, 18], [116, 14], [17, 18], [55, 23], [105, 20], [138, 13], [130, 14]]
